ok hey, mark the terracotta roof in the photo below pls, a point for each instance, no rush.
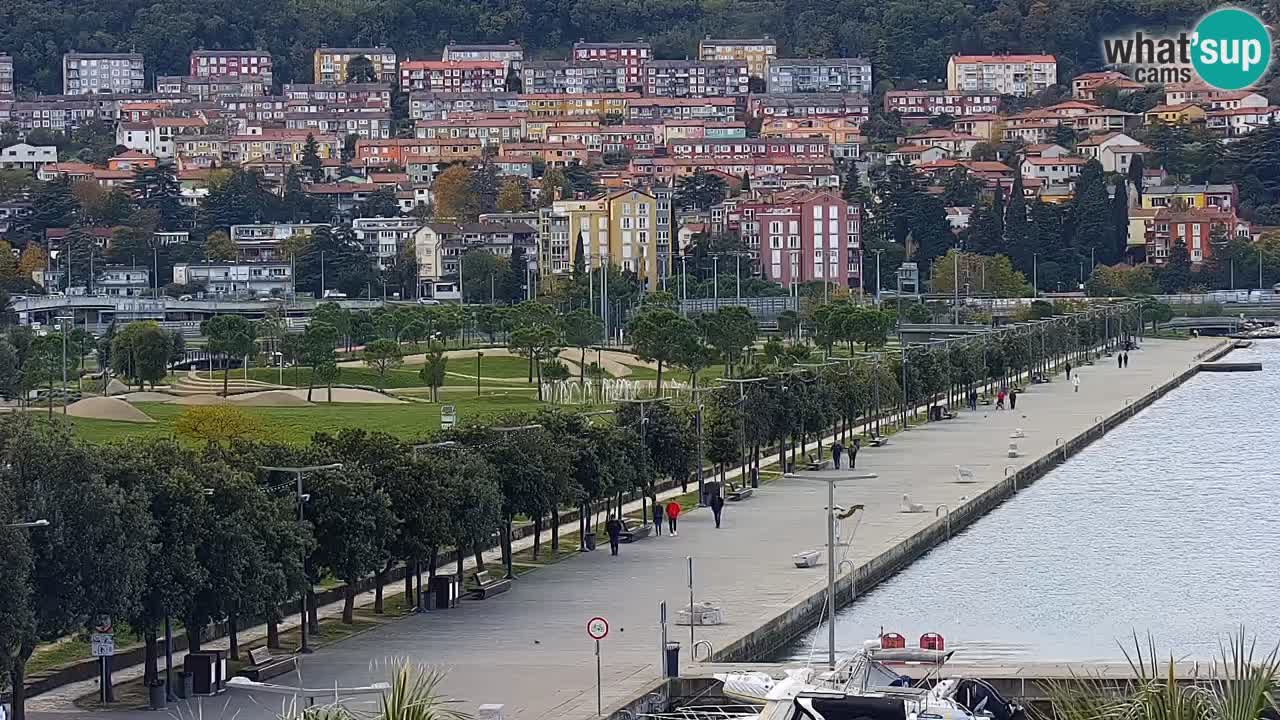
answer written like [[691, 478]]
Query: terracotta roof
[[996, 59]]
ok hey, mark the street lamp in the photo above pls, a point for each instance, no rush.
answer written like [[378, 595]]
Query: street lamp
[[298, 472], [831, 477], [62, 327]]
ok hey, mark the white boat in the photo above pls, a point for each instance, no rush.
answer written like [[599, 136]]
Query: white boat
[[865, 687]]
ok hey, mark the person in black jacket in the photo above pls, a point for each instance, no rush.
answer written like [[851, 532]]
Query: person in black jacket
[[717, 507], [613, 526], [657, 516]]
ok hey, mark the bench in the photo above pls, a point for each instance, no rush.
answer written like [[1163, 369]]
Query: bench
[[739, 495], [878, 441], [947, 415], [488, 585], [264, 666], [632, 532], [985, 400]]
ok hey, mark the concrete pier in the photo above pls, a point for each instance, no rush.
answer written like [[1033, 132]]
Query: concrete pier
[[528, 649]]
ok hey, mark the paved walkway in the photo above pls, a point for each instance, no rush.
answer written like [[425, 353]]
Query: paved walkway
[[528, 648]]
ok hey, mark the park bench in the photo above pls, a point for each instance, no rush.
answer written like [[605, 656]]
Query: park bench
[[807, 559], [631, 531], [740, 494], [947, 414], [878, 441], [266, 666], [487, 585]]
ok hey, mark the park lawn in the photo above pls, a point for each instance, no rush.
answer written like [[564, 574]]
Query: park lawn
[[406, 376], [706, 377], [296, 425]]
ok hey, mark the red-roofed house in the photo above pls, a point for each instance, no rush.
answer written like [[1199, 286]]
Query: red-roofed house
[[1088, 85]]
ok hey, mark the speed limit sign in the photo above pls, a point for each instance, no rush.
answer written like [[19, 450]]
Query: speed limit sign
[[597, 628]]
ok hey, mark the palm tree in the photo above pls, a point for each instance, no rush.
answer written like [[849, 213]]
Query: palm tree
[[414, 695]]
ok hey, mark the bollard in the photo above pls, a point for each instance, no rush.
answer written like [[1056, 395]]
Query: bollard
[[673, 660]]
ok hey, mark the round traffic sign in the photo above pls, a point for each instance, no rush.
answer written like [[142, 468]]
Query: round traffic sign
[[102, 624], [597, 628]]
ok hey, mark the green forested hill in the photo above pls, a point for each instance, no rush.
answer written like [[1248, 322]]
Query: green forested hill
[[906, 39]]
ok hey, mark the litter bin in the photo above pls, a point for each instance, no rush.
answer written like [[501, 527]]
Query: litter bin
[[445, 590], [673, 659], [589, 540], [202, 667], [186, 685], [156, 695]]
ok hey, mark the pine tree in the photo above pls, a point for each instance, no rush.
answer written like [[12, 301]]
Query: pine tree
[[852, 184], [311, 159], [1018, 239], [1119, 222], [746, 183], [984, 231], [157, 189], [997, 207], [1092, 226], [1137, 169]]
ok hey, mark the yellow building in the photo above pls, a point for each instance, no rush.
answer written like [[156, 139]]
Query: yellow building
[[757, 52], [619, 228], [1176, 114], [330, 64], [562, 104], [1189, 197]]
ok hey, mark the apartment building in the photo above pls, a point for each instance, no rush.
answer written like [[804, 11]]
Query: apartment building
[[597, 104], [1019, 75], [1153, 232], [214, 87], [329, 65], [6, 77], [260, 279], [819, 75], [1223, 197], [279, 145], [618, 228], [511, 54], [384, 239], [807, 149], [804, 236], [653, 109], [442, 106], [931, 103], [757, 52], [402, 151], [230, 63], [366, 96], [91, 73], [264, 241], [574, 77], [59, 115], [632, 54], [809, 105], [695, 78], [27, 157], [844, 134], [369, 124], [488, 128], [439, 247], [453, 76]]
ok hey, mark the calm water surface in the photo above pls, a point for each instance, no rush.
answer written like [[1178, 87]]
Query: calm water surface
[[1168, 526]]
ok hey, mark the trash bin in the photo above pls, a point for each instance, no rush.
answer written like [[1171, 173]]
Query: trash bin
[[673, 660], [156, 695], [445, 590], [589, 540], [186, 685], [202, 667]]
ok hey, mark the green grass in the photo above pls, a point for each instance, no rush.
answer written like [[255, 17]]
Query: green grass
[[297, 425], [498, 368], [706, 377]]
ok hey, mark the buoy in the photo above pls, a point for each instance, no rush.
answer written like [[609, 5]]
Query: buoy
[[890, 641], [932, 641]]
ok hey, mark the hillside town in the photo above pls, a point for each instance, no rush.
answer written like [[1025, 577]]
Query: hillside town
[[609, 156]]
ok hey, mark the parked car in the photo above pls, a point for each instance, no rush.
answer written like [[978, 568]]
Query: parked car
[[428, 301]]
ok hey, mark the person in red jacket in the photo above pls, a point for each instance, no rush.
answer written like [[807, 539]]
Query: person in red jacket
[[673, 512]]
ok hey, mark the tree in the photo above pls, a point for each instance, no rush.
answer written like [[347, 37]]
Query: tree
[[230, 336], [514, 195], [383, 355], [32, 260], [582, 329], [311, 159], [1119, 219], [1137, 174], [730, 331], [452, 191], [1019, 236], [960, 190], [156, 190], [360, 69], [382, 203], [1089, 212], [217, 425], [352, 519], [978, 273], [434, 366], [537, 342], [1175, 275], [218, 247], [700, 190], [655, 332]]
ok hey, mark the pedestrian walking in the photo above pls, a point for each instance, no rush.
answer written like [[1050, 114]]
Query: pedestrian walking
[[1000, 399], [1119, 360], [973, 400], [853, 452], [613, 526], [1013, 399], [1126, 360], [1068, 370], [657, 516], [1076, 381], [836, 450], [673, 512], [717, 507]]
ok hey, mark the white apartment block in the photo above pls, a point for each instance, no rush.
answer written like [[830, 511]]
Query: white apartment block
[[385, 238], [6, 77], [92, 73], [820, 75], [28, 157], [264, 241], [238, 279], [511, 53], [1001, 74]]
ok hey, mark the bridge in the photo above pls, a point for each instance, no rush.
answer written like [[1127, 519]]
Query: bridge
[[100, 311], [1206, 325]]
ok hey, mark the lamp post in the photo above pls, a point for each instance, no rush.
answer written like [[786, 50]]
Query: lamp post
[[715, 278], [298, 473], [878, 254], [1035, 274], [62, 327], [479, 354]]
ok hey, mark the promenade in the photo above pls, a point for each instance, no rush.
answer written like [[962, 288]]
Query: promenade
[[528, 648]]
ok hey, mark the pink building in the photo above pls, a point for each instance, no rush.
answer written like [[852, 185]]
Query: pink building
[[804, 236], [632, 54], [230, 63]]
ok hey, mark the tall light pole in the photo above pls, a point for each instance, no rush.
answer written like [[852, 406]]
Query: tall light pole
[[27, 525], [1035, 274], [738, 276], [1259, 267], [715, 279], [684, 288], [298, 473], [878, 254], [62, 327]]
